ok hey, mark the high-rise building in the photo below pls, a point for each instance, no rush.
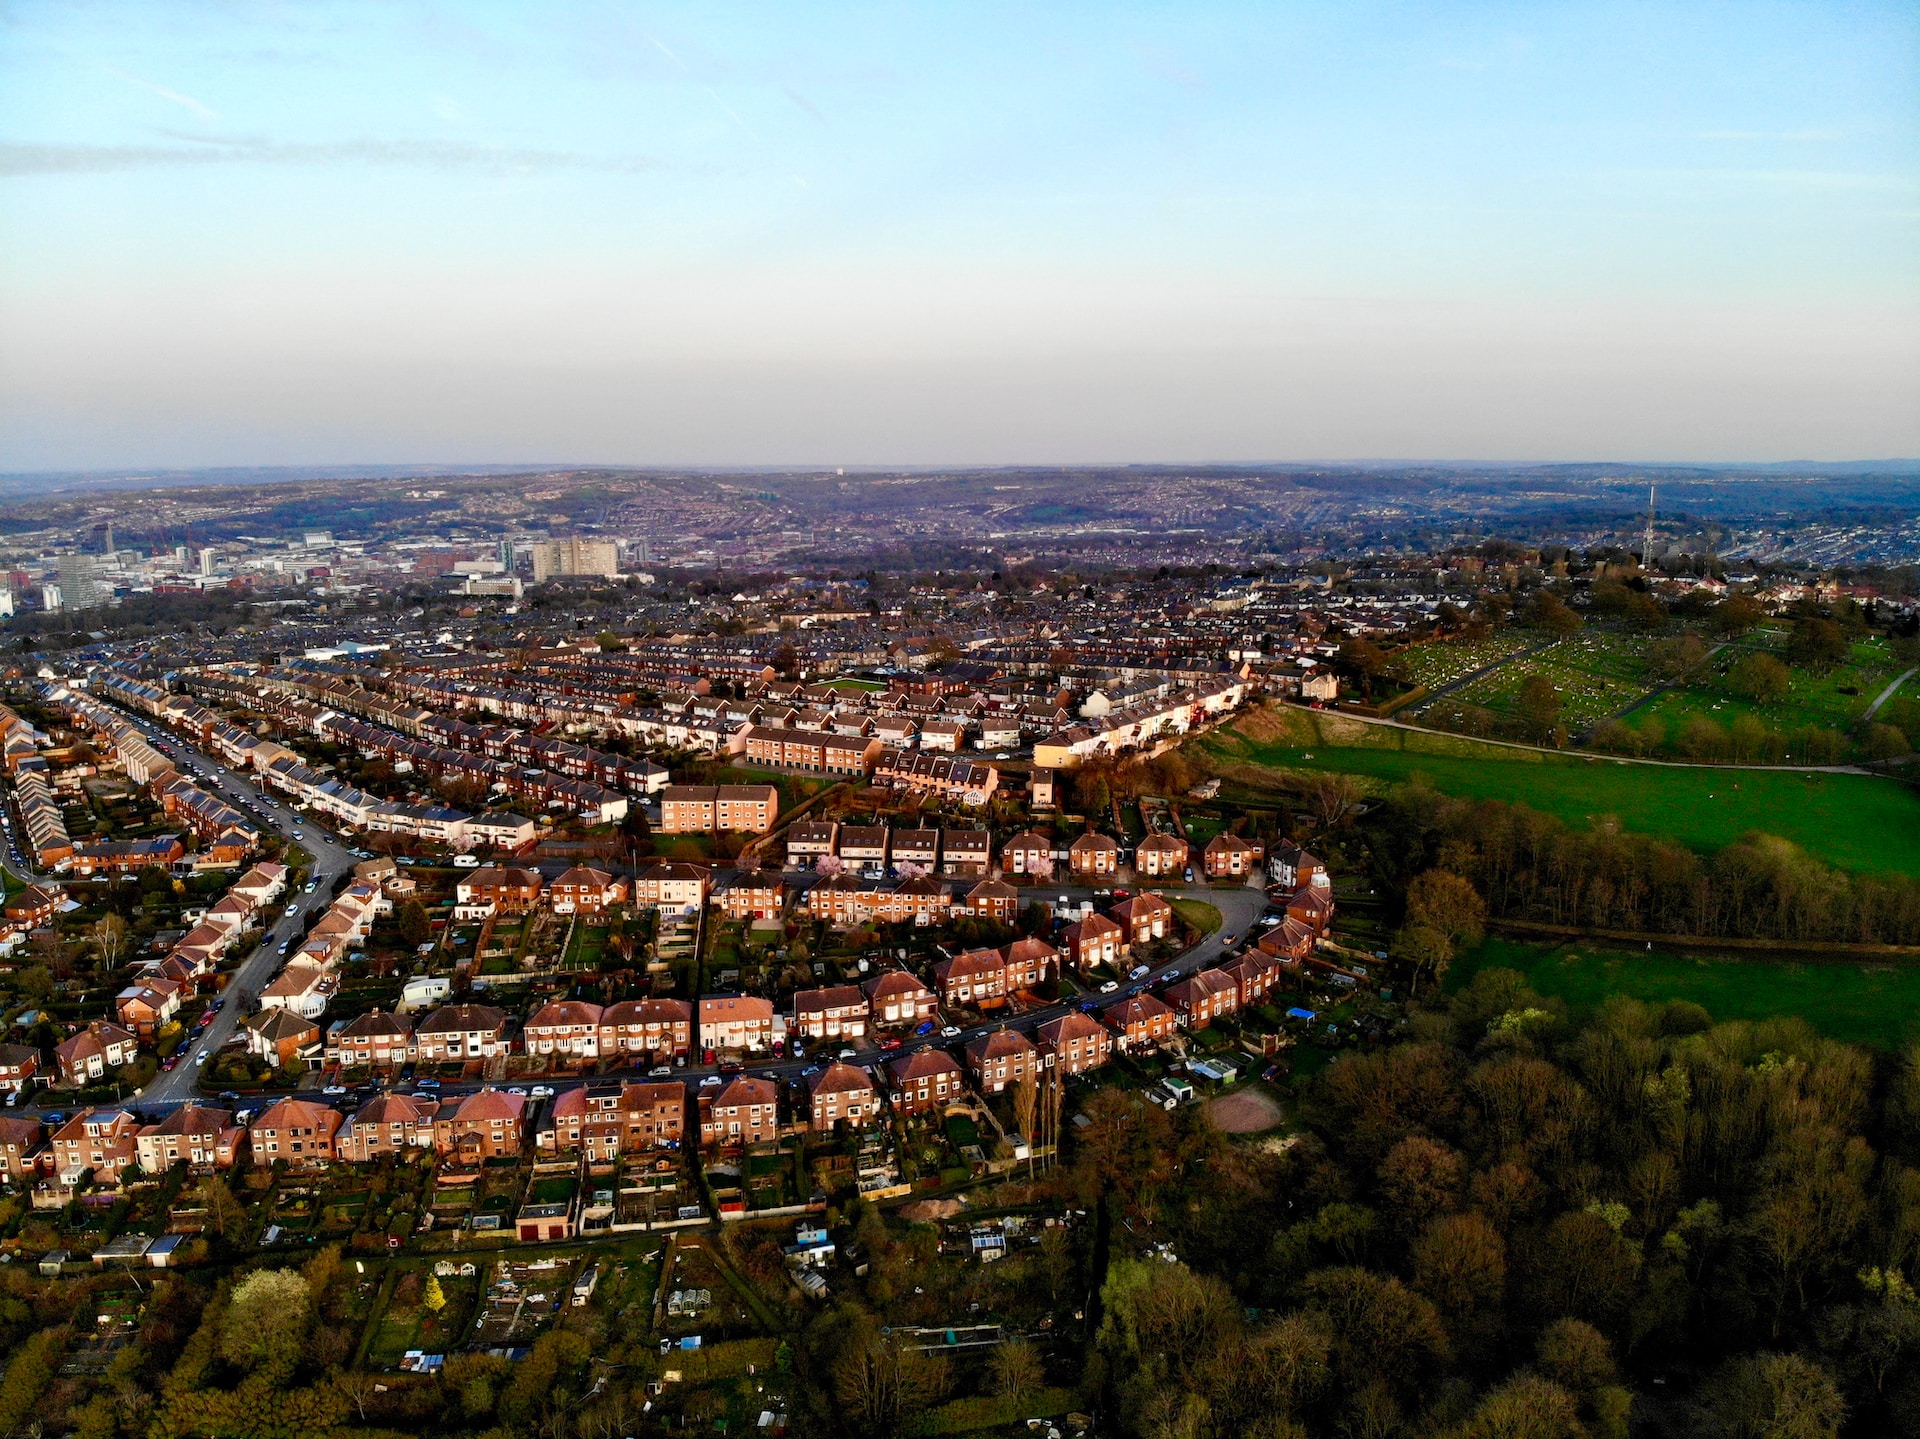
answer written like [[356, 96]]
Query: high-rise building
[[575, 556], [507, 556], [78, 590]]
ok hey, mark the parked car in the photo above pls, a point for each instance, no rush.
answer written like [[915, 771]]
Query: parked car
[[542, 1091], [1110, 986], [950, 1031]]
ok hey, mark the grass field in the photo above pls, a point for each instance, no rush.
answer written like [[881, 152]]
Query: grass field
[[1860, 822], [1198, 914], [1597, 673], [1863, 1004], [1834, 700], [1441, 662]]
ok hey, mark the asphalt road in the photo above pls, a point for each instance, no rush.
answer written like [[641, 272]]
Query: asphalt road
[[256, 971]]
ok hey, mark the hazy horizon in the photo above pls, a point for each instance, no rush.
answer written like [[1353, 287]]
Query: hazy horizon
[[238, 237]]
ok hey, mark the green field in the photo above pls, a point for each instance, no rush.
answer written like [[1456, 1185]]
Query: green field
[[1597, 673], [1859, 822], [1834, 700], [1875, 1004]]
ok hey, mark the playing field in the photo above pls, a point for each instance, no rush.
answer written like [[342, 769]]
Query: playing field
[[1857, 821], [1877, 1004]]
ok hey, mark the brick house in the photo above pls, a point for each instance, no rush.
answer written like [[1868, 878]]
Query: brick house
[[757, 895], [977, 977], [19, 1063], [866, 846], [461, 1032], [1227, 856], [1093, 940], [808, 841], [567, 1029], [1254, 976], [374, 1040], [387, 1124], [726, 808], [838, 1011], [298, 1131], [608, 1118], [485, 1125], [927, 1080], [1204, 997], [1158, 855], [1029, 855], [1030, 964], [1289, 941], [144, 1006], [897, 997], [743, 1111], [34, 906], [1140, 1022], [1075, 1043], [994, 899], [669, 884], [1000, 1059], [840, 1093], [967, 852], [736, 1021], [1142, 918], [583, 890], [279, 1035], [103, 1140], [95, 1052], [1094, 854], [509, 891], [20, 1148], [658, 1028], [204, 1139], [1312, 907]]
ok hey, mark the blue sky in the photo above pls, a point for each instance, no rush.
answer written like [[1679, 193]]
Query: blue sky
[[259, 233]]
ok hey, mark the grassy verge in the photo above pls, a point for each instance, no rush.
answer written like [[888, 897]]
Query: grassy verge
[[1862, 822], [1198, 914], [1872, 1004]]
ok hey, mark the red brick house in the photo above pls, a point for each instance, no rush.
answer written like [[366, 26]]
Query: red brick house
[[461, 1032], [661, 1029], [1075, 1043], [1094, 854], [374, 1040], [1000, 1059], [204, 1139], [19, 1063], [279, 1035], [510, 891], [567, 1030], [387, 1124], [760, 895], [1227, 856], [582, 890], [34, 906], [1204, 997], [103, 1140], [1312, 907], [994, 899], [485, 1125], [1142, 918], [840, 1093], [897, 997], [838, 1011], [1140, 1021], [1093, 940], [607, 1119], [20, 1149], [927, 1080], [1158, 855], [1254, 976], [977, 978], [298, 1131], [1030, 964], [744, 1111], [736, 1022], [1029, 855]]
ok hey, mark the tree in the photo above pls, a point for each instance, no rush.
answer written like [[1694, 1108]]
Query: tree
[[265, 1320], [1539, 706], [1333, 799], [1547, 611], [829, 865], [1419, 1179], [415, 928], [879, 1379], [1772, 1396], [225, 1214], [1016, 1370], [1817, 644], [1448, 903], [109, 934], [1423, 949], [28, 1374], [1361, 660], [1527, 1408], [435, 1297], [1759, 677]]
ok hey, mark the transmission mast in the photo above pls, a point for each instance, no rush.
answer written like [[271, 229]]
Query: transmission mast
[[1646, 549]]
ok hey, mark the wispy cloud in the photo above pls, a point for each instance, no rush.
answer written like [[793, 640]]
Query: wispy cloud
[[62, 159], [186, 102]]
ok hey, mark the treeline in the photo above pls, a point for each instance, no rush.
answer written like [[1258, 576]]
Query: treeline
[[1531, 866], [1512, 1225]]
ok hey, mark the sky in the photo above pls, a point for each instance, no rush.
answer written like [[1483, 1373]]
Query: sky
[[267, 233]]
